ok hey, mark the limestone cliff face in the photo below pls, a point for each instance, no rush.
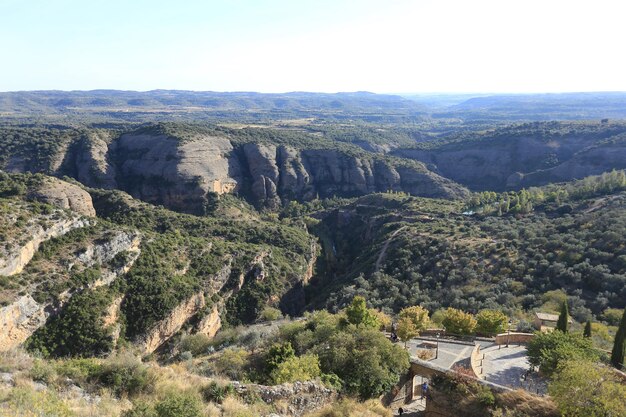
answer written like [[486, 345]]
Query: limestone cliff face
[[179, 173], [163, 170], [103, 252], [511, 163], [64, 195], [172, 324], [211, 323], [591, 161], [283, 173], [17, 257], [19, 320], [93, 165]]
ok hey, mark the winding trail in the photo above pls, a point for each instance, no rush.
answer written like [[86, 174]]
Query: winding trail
[[383, 251]]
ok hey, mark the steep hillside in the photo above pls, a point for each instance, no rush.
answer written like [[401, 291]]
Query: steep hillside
[[74, 285], [399, 251], [524, 155]]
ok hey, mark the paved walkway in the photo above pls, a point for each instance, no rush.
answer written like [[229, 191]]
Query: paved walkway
[[449, 353], [508, 366]]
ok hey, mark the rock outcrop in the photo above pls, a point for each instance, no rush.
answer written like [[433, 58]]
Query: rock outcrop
[[19, 320], [64, 195], [300, 397], [166, 328], [592, 161], [178, 174], [211, 323], [14, 261], [284, 173], [103, 252], [93, 165], [521, 160]]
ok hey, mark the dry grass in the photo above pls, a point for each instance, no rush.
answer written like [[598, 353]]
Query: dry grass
[[15, 360], [526, 404], [350, 408]]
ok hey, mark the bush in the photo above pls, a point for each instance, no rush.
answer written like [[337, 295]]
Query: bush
[[125, 375], [140, 409], [78, 330], [296, 368], [597, 390], [359, 315], [42, 371], [216, 393], [271, 314], [197, 344], [179, 405], [232, 363]]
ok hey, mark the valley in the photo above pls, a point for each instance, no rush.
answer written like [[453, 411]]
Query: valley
[[148, 239]]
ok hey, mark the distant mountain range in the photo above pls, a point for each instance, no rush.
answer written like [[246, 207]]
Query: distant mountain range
[[160, 104]]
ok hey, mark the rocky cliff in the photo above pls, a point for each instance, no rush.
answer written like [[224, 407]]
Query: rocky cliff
[[181, 169], [19, 320], [522, 157], [15, 257]]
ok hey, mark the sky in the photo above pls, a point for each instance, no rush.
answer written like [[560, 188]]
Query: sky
[[384, 46]]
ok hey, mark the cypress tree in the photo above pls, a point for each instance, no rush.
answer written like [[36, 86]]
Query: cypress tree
[[619, 346], [587, 332], [562, 323]]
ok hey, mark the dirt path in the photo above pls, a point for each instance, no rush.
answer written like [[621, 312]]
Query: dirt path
[[383, 251]]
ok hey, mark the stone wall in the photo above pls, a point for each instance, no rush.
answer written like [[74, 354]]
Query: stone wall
[[514, 338]]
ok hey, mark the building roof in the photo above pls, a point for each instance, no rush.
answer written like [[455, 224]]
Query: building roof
[[550, 317]]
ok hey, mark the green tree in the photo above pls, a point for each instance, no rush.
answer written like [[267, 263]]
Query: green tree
[[584, 388], [297, 368], [417, 315], [458, 322], [277, 354], [359, 315], [619, 345], [406, 330], [563, 321], [491, 322], [587, 331], [548, 350]]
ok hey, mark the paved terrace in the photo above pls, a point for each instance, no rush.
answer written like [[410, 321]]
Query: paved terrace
[[501, 365]]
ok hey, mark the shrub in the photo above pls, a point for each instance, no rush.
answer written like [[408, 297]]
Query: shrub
[[125, 375], [140, 409], [270, 314], [277, 354], [179, 405], [350, 407], [216, 393], [42, 371], [296, 368], [232, 363], [78, 330], [197, 343], [359, 315]]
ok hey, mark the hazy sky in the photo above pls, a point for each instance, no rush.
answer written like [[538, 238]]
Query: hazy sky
[[316, 45]]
